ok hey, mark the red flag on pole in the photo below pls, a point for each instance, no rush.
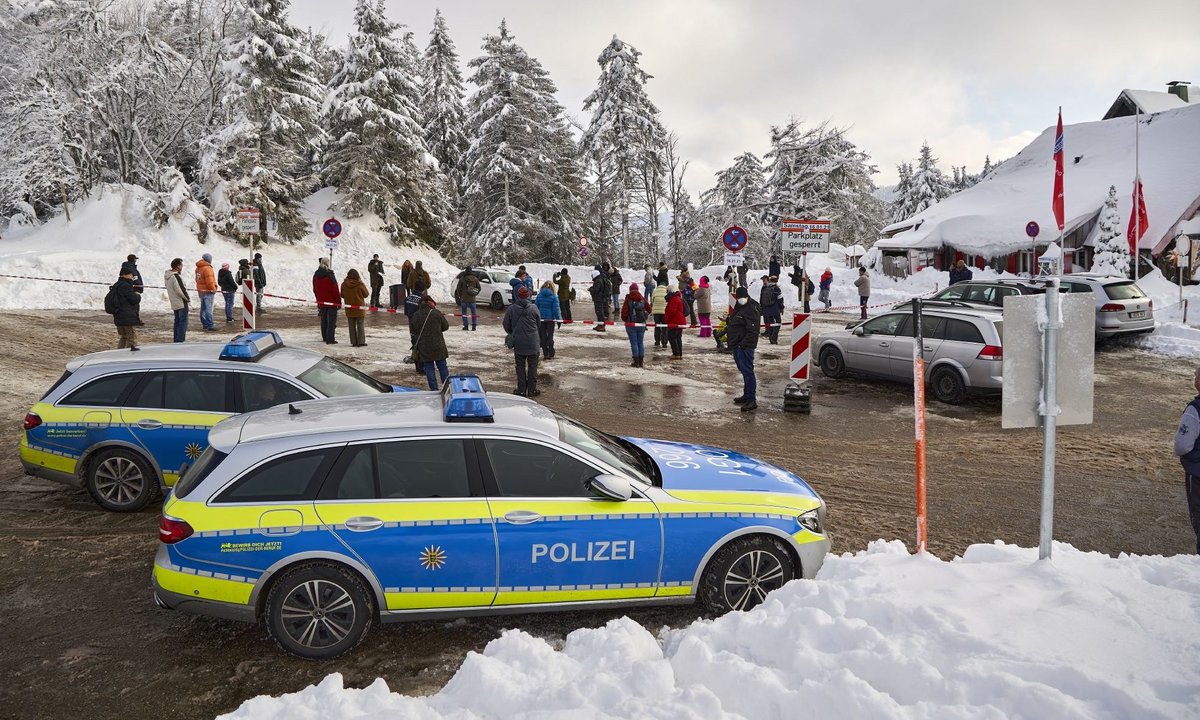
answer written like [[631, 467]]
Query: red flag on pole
[[1057, 204], [1138, 219]]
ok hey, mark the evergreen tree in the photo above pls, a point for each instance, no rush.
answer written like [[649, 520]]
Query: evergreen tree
[[1112, 250], [624, 140], [376, 155], [817, 172], [260, 155], [523, 186], [987, 167], [928, 185], [902, 205], [442, 103]]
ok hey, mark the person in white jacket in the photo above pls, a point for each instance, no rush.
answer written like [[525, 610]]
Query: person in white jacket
[[178, 295]]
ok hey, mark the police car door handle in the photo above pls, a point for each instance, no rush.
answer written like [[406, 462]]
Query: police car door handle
[[522, 517], [363, 524], [149, 424]]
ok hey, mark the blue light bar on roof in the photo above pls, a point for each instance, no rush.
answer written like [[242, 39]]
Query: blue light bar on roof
[[251, 346], [463, 400]]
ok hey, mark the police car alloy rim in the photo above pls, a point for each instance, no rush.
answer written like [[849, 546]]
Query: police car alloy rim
[[317, 614], [119, 480], [751, 577]]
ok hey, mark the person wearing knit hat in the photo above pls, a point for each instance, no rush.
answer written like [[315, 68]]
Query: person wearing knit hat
[[634, 314], [122, 303], [704, 307], [229, 288], [521, 322], [206, 288], [676, 320], [742, 336]]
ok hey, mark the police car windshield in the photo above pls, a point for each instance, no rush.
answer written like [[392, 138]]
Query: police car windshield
[[334, 379], [605, 448]]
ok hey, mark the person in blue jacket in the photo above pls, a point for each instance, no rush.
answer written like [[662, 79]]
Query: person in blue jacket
[[960, 273], [521, 279], [551, 311]]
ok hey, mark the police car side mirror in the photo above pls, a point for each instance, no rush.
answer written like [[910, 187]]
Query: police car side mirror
[[859, 331], [611, 487]]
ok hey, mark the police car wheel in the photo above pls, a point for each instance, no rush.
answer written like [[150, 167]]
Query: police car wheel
[[948, 386], [497, 301], [742, 573], [318, 611], [832, 363], [120, 481]]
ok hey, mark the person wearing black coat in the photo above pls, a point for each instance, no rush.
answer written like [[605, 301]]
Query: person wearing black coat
[[127, 316], [770, 300], [522, 320], [138, 285], [375, 268], [960, 273], [229, 288], [600, 293], [742, 336], [773, 268]]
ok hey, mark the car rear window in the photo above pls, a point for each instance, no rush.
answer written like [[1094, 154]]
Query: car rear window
[[102, 392], [292, 478], [57, 382], [1127, 290], [197, 471]]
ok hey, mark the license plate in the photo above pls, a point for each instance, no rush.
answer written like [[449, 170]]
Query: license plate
[[1137, 314]]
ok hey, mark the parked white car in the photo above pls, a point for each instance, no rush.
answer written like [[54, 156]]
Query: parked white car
[[494, 287], [1121, 306]]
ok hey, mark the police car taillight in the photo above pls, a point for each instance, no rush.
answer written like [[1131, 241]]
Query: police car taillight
[[463, 400], [172, 530], [32, 420]]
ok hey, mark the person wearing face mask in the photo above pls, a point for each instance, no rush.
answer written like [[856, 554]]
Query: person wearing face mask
[[742, 335]]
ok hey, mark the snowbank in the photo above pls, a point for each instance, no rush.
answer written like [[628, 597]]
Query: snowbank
[[882, 633], [113, 222]]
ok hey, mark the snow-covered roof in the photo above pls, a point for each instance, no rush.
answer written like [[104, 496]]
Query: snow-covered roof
[[989, 218], [1147, 101]]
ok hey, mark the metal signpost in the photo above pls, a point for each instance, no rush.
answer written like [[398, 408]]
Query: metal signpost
[[1038, 389], [1032, 229], [583, 247], [249, 219]]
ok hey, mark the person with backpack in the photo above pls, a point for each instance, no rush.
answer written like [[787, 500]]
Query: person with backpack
[[614, 281], [122, 303], [412, 303], [229, 288], [430, 346], [770, 299], [329, 299], [419, 275], [354, 292], [466, 292], [521, 321], [562, 279], [206, 288], [138, 284], [178, 296], [826, 284], [634, 313], [375, 269], [676, 321], [550, 310]]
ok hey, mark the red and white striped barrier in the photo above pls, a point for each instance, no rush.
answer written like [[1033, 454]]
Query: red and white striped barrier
[[248, 304], [801, 355]]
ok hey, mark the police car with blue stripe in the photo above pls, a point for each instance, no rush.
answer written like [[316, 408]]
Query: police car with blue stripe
[[322, 518], [126, 425]]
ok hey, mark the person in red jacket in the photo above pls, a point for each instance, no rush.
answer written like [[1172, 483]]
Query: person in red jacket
[[329, 299], [676, 320]]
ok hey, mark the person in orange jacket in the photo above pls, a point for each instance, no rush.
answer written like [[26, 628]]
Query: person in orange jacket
[[206, 288]]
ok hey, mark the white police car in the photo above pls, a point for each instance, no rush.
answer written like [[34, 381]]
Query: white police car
[[126, 424], [324, 517]]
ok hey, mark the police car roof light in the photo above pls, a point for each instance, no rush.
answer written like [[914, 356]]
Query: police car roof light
[[251, 346], [463, 400]]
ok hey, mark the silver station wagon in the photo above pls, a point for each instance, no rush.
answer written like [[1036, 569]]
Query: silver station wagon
[[963, 350]]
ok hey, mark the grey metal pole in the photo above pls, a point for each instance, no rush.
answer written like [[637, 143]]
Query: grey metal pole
[[1049, 412]]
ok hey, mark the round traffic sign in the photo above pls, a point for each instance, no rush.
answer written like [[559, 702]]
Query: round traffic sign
[[332, 228], [583, 251], [583, 242], [734, 238], [1032, 229]]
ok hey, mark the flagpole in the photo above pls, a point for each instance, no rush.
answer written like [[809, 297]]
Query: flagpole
[[1137, 191]]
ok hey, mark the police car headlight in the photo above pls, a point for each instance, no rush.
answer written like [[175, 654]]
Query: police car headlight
[[810, 521]]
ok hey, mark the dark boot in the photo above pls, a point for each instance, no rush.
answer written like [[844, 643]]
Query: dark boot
[[747, 407], [633, 363]]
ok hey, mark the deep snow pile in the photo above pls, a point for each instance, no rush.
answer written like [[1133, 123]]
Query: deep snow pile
[[113, 223], [882, 633]]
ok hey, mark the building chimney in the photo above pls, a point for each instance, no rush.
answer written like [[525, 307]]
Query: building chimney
[[1179, 88]]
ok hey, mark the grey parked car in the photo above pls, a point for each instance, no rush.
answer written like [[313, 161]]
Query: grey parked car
[[963, 350]]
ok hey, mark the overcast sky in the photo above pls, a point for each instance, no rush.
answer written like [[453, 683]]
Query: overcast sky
[[972, 78]]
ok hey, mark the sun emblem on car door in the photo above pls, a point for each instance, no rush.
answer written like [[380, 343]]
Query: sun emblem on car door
[[433, 557], [193, 450]]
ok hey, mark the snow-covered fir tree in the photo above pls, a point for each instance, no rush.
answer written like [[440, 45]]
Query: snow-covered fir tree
[[442, 107], [376, 153], [901, 207], [523, 185], [623, 143], [817, 172], [260, 155], [987, 167], [1112, 249], [927, 185]]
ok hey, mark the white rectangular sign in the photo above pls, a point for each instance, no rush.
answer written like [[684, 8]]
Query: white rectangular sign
[[805, 235], [248, 220], [734, 259], [331, 243]]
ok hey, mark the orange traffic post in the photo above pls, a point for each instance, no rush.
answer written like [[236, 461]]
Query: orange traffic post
[[919, 420]]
